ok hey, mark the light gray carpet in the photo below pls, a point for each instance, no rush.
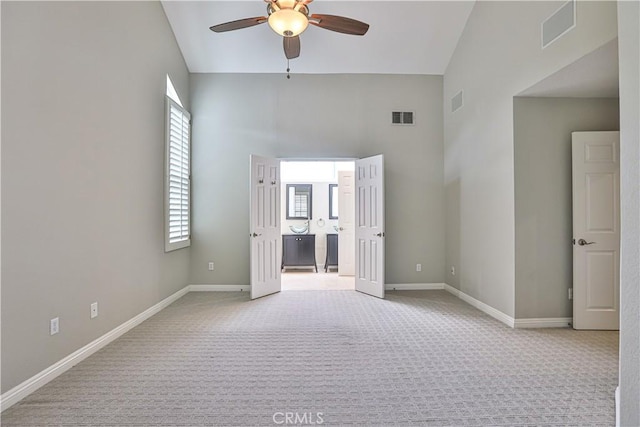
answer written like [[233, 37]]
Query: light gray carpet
[[416, 358]]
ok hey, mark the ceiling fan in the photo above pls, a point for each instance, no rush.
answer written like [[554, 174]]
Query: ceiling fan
[[290, 18]]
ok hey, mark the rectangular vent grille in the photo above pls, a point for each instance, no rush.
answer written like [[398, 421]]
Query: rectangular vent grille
[[558, 24], [456, 102], [402, 117]]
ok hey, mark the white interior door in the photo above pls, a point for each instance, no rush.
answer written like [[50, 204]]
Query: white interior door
[[369, 217], [266, 240], [596, 230], [346, 223]]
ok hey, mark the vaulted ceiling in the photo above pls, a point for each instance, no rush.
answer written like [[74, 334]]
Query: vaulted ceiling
[[405, 37]]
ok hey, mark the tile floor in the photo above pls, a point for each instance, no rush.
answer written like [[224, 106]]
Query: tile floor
[[309, 280]]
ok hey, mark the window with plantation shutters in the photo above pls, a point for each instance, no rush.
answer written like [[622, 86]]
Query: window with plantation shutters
[[178, 178]]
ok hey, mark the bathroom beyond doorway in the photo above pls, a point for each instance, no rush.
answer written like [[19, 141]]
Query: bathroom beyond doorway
[[320, 220]]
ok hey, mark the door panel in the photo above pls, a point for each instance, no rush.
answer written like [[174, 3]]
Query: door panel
[[600, 193], [362, 210], [370, 228], [596, 230], [266, 246], [346, 223], [601, 276]]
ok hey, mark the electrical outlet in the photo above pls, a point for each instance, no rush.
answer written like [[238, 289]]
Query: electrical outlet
[[570, 293], [211, 266], [54, 326], [453, 270], [418, 267], [94, 310]]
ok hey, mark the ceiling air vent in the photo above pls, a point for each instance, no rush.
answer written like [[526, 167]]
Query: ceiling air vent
[[456, 102], [558, 24], [402, 117]]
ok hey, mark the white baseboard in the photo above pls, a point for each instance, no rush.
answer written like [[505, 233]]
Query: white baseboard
[[617, 397], [414, 286], [19, 392], [546, 322], [496, 314], [219, 288]]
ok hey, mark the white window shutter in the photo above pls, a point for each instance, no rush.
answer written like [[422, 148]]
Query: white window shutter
[[177, 177]]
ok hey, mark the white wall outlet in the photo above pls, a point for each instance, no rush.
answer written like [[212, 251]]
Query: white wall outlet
[[570, 293], [418, 267], [453, 270], [94, 310], [54, 326], [211, 266]]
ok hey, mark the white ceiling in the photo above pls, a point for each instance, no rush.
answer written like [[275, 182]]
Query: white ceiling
[[405, 37]]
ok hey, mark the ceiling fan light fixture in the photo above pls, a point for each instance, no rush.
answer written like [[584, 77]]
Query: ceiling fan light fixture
[[288, 22]]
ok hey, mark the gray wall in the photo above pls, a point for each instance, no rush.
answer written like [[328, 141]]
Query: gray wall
[[543, 218], [628, 42], [497, 57], [316, 116], [83, 88]]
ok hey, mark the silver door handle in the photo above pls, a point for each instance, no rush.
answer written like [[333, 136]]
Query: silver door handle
[[379, 234], [583, 242], [255, 235]]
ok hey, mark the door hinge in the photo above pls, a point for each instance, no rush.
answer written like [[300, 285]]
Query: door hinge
[[570, 293]]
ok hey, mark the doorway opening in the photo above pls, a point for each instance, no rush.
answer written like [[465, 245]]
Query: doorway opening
[[317, 224], [271, 251], [557, 277]]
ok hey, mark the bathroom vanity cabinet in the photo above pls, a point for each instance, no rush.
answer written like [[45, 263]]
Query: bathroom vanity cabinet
[[332, 252], [299, 250]]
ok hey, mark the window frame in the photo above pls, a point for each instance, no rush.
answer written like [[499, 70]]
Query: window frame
[[331, 200], [309, 200], [182, 242]]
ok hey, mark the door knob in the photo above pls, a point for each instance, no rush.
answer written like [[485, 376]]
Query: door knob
[[583, 242], [379, 234], [340, 228], [255, 235]]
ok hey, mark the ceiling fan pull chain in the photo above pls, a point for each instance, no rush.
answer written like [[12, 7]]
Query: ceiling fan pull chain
[[288, 69]]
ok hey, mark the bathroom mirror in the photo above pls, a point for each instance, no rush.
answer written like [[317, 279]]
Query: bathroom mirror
[[333, 201], [299, 201]]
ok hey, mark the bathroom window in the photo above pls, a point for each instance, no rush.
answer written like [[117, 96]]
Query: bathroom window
[[299, 200]]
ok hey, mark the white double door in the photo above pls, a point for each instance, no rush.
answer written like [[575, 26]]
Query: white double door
[[369, 221], [266, 237], [266, 240]]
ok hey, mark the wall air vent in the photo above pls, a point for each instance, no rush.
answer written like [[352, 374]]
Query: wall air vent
[[456, 102], [402, 117], [558, 24]]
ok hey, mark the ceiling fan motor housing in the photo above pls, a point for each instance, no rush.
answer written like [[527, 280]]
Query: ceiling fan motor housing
[[288, 18]]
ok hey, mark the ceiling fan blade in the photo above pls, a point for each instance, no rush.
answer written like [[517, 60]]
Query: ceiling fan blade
[[339, 24], [240, 23], [291, 47]]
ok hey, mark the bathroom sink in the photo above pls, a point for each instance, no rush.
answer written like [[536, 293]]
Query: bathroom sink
[[303, 229]]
